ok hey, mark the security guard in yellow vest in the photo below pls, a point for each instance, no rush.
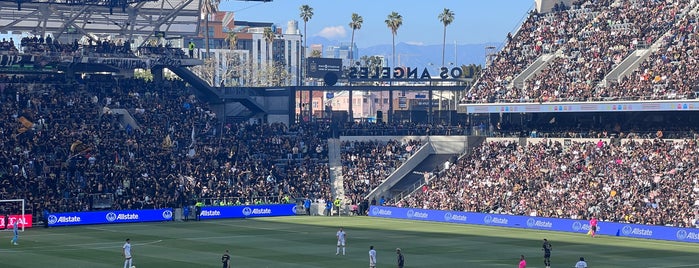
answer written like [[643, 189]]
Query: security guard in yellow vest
[[337, 204], [191, 49]]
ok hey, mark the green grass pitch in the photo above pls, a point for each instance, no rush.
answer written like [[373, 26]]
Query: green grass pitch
[[310, 242]]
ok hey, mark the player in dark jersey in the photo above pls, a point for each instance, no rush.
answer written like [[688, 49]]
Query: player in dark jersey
[[226, 260], [546, 247]]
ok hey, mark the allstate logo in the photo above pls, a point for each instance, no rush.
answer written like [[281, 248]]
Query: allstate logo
[[487, 219], [626, 230], [577, 226], [681, 234], [531, 222], [53, 219], [293, 209], [247, 211], [375, 211], [447, 216], [111, 216], [411, 213], [167, 214]]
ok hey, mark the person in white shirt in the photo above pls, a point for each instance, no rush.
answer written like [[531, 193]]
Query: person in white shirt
[[126, 252], [340, 241], [372, 257], [581, 263]]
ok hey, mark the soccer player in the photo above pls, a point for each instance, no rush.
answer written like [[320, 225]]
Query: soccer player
[[546, 247], [401, 259], [593, 226], [581, 263], [340, 241], [15, 231], [126, 252], [372, 257], [226, 259], [522, 262]]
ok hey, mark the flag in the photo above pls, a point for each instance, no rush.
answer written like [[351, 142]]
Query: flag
[[167, 142], [78, 147], [193, 139], [192, 151], [25, 124]]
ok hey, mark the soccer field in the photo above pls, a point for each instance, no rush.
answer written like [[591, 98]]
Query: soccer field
[[310, 242]]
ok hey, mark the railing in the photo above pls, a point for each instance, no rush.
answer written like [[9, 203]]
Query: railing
[[229, 201], [668, 96], [404, 131]]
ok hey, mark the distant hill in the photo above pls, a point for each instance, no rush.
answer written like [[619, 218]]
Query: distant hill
[[421, 55]]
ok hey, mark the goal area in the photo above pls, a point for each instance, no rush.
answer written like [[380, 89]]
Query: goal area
[[12, 212]]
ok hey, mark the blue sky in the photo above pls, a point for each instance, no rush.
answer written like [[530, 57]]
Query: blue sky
[[475, 22]]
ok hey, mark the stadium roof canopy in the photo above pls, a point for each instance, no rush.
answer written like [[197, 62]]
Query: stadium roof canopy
[[120, 17]]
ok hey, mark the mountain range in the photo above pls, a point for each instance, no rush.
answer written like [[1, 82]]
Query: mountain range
[[418, 55]]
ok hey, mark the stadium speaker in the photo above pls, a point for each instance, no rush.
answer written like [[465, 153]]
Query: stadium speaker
[[379, 116]]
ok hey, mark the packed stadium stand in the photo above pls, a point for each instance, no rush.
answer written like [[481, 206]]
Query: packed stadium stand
[[648, 181], [64, 144], [566, 55], [102, 142]]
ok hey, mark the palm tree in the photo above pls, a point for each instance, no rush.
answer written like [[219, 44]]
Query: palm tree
[[446, 17], [269, 37], [315, 54], [306, 15], [208, 7], [394, 21], [232, 39], [355, 24]]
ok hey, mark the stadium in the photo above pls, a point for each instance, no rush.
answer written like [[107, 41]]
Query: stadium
[[132, 121]]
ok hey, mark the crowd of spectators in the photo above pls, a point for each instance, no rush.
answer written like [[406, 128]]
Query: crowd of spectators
[[640, 181], [667, 73], [63, 143], [598, 48], [541, 33], [366, 164], [592, 38], [88, 46], [8, 45]]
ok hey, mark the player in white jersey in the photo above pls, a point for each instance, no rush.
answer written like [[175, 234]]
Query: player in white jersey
[[341, 235], [581, 263], [126, 252], [372, 257]]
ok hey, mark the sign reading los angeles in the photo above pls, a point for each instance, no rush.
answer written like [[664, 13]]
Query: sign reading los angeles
[[402, 73]]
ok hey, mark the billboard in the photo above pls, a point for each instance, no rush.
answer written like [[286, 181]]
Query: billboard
[[319, 67], [25, 221], [553, 224], [113, 216], [228, 212]]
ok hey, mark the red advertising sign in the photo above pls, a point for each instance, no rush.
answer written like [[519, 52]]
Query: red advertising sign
[[24, 221]]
